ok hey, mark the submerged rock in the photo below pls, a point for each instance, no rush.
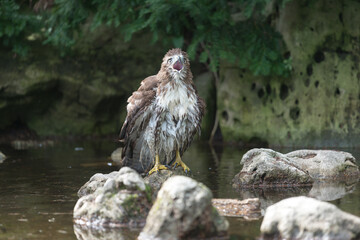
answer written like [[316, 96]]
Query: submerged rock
[[2, 157], [307, 218], [119, 199], [265, 167], [183, 210], [248, 208]]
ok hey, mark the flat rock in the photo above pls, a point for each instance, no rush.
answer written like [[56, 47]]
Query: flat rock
[[120, 199], [267, 168], [308, 218], [248, 208], [183, 210]]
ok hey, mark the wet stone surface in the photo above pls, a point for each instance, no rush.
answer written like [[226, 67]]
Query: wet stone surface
[[183, 210], [123, 200], [307, 218], [268, 168]]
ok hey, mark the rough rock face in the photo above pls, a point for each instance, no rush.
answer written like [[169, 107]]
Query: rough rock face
[[96, 181], [307, 218], [183, 210], [155, 181], [318, 105], [265, 167], [120, 199], [47, 92]]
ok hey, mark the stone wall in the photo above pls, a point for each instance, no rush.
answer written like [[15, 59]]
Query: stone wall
[[319, 105]]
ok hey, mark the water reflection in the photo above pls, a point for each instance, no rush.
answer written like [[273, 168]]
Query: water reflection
[[83, 233], [38, 188]]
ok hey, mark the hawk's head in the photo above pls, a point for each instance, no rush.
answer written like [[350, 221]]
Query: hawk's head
[[176, 64]]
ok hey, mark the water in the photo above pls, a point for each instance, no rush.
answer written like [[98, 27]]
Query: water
[[38, 188]]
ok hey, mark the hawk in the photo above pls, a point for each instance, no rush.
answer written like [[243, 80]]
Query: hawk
[[163, 116]]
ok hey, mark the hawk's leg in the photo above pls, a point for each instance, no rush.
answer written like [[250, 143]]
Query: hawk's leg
[[157, 167], [178, 162]]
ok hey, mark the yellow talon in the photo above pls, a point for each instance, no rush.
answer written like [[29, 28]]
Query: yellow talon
[[178, 162], [157, 167]]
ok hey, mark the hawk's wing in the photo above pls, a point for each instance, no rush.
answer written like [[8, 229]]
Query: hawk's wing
[[131, 134]]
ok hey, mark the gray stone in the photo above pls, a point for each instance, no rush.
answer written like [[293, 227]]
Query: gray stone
[[183, 210], [307, 218], [265, 167], [96, 181], [2, 157], [113, 200], [156, 180]]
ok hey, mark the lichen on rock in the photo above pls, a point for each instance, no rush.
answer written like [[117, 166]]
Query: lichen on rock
[[114, 200]]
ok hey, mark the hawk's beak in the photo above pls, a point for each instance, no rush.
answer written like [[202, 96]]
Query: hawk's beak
[[178, 65]]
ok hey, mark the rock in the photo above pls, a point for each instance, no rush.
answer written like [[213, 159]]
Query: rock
[[156, 180], [265, 167], [114, 200], [307, 218], [248, 208], [183, 210], [48, 91], [2, 157], [96, 181], [326, 164], [116, 156]]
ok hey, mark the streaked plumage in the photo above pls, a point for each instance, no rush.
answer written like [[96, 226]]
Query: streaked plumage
[[163, 116]]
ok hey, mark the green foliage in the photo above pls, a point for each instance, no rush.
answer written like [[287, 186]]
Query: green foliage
[[14, 24], [236, 31]]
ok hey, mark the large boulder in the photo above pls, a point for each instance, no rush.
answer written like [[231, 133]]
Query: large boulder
[[307, 218], [265, 167], [123, 199], [183, 210]]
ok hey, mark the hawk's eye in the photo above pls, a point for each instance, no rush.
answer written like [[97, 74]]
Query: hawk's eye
[[169, 60]]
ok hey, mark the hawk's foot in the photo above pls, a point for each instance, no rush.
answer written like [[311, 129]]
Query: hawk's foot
[[178, 163], [157, 167]]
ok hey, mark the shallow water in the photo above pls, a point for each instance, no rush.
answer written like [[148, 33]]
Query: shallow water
[[38, 188]]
